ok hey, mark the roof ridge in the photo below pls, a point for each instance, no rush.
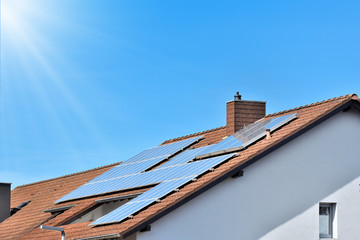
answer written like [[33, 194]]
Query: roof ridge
[[68, 175], [192, 135], [349, 96]]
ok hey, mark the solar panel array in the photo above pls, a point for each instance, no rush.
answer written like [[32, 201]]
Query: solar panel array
[[249, 134], [239, 140], [142, 179], [172, 178], [144, 200], [137, 164], [176, 172]]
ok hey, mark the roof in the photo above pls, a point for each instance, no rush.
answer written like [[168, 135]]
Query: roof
[[25, 223]]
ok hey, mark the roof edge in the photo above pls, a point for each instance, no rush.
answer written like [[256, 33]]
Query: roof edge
[[349, 96], [68, 175], [192, 135], [108, 236]]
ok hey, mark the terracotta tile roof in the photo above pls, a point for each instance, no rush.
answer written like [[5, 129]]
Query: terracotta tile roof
[[24, 224], [42, 195], [210, 137]]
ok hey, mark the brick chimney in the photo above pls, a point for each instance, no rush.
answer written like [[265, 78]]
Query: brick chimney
[[240, 113]]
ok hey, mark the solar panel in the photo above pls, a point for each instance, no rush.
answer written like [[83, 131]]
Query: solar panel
[[128, 169], [142, 201], [279, 121], [163, 150], [258, 130], [139, 163], [249, 134], [144, 179], [191, 170], [184, 157], [163, 189], [124, 211]]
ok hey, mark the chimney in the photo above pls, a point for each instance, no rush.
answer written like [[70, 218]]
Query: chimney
[[240, 113], [5, 189]]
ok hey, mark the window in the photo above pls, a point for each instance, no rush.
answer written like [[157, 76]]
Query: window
[[326, 220]]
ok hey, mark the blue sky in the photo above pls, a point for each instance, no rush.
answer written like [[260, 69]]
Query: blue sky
[[89, 83]]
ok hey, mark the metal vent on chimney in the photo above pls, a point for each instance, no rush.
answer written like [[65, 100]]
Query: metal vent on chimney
[[237, 97]]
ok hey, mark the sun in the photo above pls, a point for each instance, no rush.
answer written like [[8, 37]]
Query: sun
[[29, 31]]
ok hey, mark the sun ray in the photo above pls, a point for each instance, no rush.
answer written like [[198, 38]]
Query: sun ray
[[33, 46]]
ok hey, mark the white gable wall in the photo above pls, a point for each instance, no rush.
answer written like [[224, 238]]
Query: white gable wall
[[278, 196]]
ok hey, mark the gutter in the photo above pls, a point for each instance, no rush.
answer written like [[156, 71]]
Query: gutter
[[99, 237]]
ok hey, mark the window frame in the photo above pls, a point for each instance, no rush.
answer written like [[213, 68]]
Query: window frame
[[332, 208]]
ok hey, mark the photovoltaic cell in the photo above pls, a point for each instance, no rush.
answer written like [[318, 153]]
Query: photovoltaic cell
[[250, 134], [184, 157], [163, 189], [257, 130], [142, 201], [128, 169], [279, 121], [163, 150], [124, 211]]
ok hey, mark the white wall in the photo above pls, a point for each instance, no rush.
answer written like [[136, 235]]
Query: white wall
[[278, 196]]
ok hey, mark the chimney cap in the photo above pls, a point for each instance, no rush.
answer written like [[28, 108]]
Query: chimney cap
[[237, 97]]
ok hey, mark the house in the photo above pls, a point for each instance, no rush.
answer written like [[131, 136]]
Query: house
[[298, 179]]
